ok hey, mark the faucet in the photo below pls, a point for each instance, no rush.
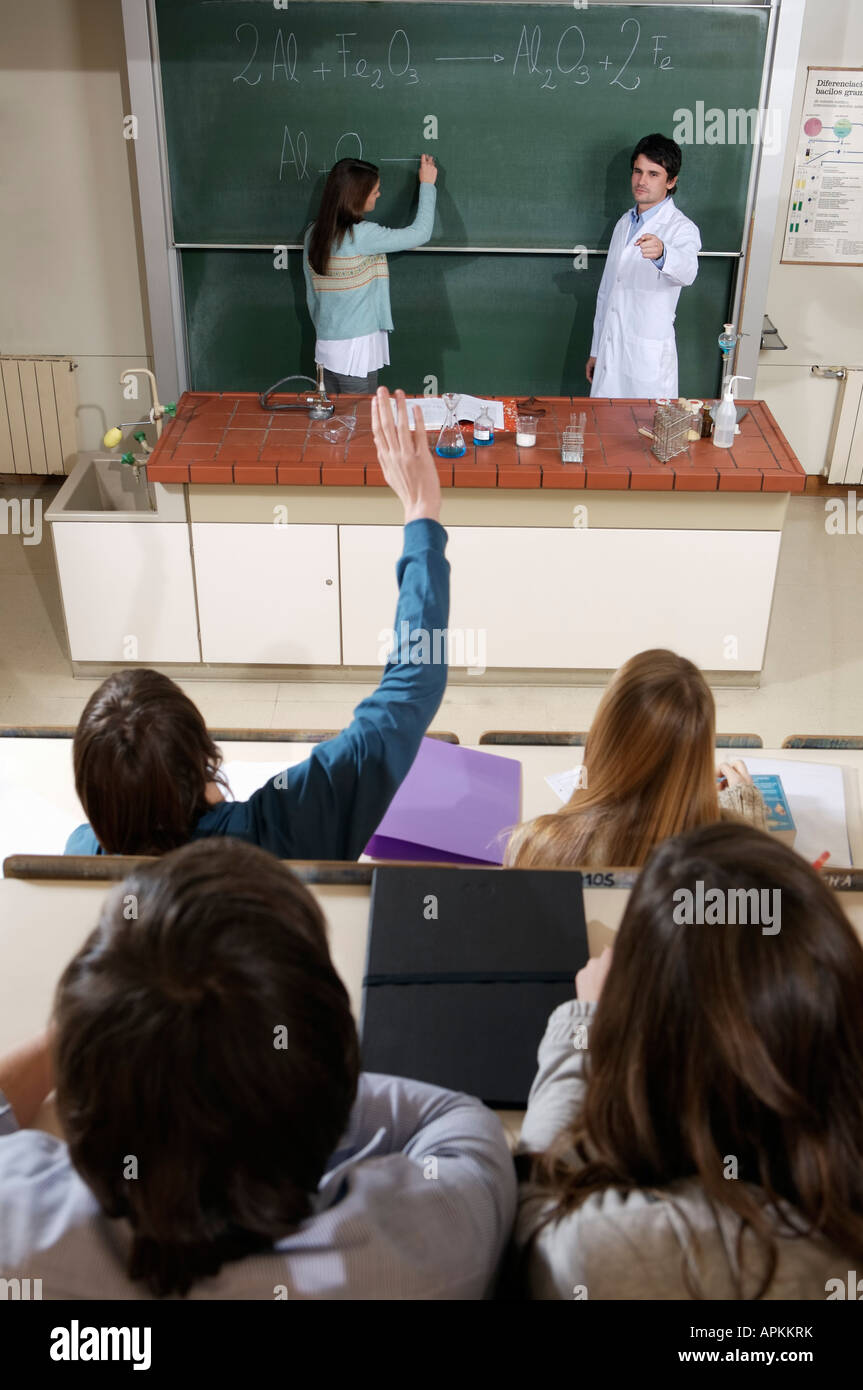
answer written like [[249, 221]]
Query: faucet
[[157, 410], [316, 402]]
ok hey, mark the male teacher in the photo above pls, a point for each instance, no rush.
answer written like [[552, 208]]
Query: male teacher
[[653, 253]]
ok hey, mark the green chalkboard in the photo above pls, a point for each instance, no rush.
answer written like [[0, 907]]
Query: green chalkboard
[[499, 324], [537, 109]]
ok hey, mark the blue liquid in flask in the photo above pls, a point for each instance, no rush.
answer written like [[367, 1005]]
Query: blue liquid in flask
[[450, 442]]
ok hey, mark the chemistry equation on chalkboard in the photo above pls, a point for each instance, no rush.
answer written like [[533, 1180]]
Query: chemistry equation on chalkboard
[[552, 62]]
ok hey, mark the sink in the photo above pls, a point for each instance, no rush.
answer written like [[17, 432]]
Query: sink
[[95, 487]]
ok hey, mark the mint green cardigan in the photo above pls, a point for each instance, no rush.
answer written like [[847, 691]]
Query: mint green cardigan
[[353, 299]]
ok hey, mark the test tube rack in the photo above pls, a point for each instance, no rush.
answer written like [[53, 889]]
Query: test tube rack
[[671, 425]]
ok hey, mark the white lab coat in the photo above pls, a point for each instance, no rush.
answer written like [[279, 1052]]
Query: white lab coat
[[633, 330]]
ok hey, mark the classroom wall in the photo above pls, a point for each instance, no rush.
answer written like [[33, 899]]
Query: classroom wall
[[70, 251], [74, 283], [817, 309]]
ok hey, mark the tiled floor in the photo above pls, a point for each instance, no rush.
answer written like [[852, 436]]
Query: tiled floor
[[812, 680]]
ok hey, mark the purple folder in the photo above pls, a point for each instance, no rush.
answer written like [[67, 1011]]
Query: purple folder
[[456, 805]]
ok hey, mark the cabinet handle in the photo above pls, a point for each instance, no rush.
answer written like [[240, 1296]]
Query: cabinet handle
[[328, 581]]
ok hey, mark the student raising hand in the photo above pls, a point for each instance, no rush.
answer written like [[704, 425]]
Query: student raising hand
[[405, 457]]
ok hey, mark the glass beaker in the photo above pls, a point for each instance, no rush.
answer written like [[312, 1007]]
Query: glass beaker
[[450, 441], [525, 432]]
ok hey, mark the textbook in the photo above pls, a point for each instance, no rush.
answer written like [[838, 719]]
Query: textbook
[[780, 822], [463, 968]]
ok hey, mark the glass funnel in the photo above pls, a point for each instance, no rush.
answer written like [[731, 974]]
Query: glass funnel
[[450, 441]]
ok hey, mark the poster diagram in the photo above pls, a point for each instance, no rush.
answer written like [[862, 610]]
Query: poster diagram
[[824, 225]]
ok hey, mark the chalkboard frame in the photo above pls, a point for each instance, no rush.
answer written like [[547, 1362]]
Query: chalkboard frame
[[167, 331]]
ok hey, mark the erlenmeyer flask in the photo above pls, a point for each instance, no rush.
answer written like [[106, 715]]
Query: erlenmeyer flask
[[450, 441]]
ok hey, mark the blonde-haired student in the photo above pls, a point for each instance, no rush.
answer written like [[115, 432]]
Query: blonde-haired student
[[649, 773]]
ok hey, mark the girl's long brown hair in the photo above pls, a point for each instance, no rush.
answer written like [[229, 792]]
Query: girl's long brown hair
[[649, 760], [713, 1041], [345, 195]]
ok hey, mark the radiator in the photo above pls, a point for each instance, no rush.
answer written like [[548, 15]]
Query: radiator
[[846, 438], [38, 404]]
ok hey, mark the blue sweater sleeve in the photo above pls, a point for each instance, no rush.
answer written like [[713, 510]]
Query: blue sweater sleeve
[[311, 292], [371, 239], [329, 806]]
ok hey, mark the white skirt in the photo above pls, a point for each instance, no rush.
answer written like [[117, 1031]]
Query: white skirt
[[354, 356]]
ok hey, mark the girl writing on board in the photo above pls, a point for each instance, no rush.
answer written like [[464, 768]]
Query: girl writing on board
[[347, 279]]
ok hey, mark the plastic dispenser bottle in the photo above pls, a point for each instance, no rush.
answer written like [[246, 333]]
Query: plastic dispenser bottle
[[725, 419]]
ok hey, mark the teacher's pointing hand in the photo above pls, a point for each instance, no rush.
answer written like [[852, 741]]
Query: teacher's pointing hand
[[428, 169], [651, 247]]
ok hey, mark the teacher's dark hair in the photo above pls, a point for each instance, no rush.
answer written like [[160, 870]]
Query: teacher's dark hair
[[143, 757], [716, 1040], [662, 151], [206, 1059], [346, 193]]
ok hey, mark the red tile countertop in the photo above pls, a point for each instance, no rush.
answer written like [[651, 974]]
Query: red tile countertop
[[227, 438]]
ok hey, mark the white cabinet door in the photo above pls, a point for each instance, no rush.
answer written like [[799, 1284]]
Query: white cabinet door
[[575, 599], [268, 594], [127, 589]]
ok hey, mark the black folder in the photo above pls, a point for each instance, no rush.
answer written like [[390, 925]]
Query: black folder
[[463, 968]]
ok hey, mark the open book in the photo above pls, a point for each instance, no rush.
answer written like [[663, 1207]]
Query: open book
[[469, 407]]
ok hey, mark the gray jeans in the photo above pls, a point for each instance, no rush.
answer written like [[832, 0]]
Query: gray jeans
[[350, 385]]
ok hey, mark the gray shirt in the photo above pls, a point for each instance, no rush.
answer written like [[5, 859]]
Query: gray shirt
[[634, 1245], [417, 1203]]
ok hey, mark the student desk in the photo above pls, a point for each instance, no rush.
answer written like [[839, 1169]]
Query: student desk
[[42, 923], [565, 567], [39, 808]]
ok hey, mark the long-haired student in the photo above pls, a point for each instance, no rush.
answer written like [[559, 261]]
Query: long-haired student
[[346, 272], [148, 774], [221, 1140], [696, 1123], [649, 773]]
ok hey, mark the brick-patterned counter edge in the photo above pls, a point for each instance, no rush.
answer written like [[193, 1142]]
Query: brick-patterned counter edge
[[227, 438]]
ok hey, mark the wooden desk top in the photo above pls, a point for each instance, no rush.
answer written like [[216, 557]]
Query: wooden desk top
[[227, 438]]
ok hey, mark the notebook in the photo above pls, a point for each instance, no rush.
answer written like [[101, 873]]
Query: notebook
[[463, 968]]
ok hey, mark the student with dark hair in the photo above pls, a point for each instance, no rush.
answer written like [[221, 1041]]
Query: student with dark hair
[[696, 1123], [653, 253], [346, 272], [221, 1141], [147, 772]]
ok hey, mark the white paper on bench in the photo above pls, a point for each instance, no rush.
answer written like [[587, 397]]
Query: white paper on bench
[[469, 407], [816, 795], [563, 784]]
